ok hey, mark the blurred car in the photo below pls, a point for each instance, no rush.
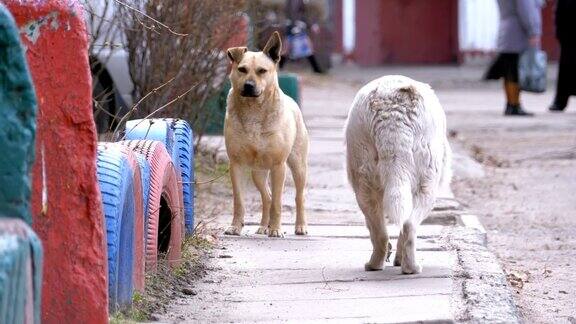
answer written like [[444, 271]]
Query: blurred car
[[112, 85]]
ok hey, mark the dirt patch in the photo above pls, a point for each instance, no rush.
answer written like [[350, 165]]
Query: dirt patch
[[167, 284], [528, 209]]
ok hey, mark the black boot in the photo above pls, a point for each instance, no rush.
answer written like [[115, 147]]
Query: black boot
[[556, 108], [315, 66], [559, 105], [516, 110]]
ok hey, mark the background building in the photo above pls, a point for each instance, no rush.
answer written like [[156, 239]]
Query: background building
[[373, 32]]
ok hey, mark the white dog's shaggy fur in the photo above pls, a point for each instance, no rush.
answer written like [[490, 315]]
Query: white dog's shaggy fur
[[398, 157]]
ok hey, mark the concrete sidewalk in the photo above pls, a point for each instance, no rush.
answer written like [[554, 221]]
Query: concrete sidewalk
[[321, 277]]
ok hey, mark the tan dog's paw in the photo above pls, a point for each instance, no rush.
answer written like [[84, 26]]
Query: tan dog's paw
[[301, 230], [370, 267], [262, 230], [233, 230], [275, 233]]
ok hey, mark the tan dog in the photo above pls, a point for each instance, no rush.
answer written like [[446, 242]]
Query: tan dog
[[264, 131]]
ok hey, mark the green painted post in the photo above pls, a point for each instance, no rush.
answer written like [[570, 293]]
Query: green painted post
[[17, 122], [288, 82], [20, 272]]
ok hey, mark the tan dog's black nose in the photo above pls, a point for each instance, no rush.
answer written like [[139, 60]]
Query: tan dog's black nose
[[249, 89]]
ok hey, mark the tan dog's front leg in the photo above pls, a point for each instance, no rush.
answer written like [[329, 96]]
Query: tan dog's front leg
[[260, 178], [278, 175], [299, 170], [238, 220]]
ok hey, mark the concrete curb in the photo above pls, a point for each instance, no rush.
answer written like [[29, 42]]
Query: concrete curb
[[481, 291]]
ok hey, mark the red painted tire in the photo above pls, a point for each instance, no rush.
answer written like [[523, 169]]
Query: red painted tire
[[165, 221], [139, 276]]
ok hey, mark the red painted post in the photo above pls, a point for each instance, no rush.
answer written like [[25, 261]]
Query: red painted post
[[66, 205]]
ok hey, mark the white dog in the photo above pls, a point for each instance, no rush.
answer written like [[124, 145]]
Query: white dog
[[398, 157]]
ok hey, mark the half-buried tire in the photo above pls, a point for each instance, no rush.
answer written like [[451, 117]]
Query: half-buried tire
[[121, 189], [141, 177], [156, 129], [165, 223], [183, 155], [178, 138], [145, 178]]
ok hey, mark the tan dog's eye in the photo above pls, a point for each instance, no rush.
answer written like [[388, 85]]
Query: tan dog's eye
[[262, 71], [242, 70]]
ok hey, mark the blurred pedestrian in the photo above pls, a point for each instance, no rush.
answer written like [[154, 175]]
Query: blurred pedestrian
[[299, 42], [566, 34], [520, 28]]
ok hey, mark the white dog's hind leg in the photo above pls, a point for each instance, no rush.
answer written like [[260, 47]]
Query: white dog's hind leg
[[370, 202], [236, 175], [398, 206], [260, 178], [423, 202], [409, 264]]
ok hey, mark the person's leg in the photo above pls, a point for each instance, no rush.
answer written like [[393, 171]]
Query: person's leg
[[314, 63], [561, 98], [282, 62], [512, 90]]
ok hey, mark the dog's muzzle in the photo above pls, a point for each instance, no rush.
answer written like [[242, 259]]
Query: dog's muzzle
[[249, 90]]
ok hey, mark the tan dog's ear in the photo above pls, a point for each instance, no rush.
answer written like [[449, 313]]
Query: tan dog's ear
[[235, 53], [273, 47]]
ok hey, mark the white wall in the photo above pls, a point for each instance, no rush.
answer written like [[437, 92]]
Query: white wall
[[348, 25], [478, 25]]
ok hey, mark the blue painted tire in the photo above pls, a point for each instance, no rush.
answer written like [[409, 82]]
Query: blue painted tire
[[165, 220], [178, 138], [155, 129], [184, 152], [145, 175], [116, 183]]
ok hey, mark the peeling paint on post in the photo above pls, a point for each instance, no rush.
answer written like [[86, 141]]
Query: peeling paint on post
[[70, 222]]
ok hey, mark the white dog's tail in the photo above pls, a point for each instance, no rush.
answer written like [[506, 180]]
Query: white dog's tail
[[395, 113], [406, 190]]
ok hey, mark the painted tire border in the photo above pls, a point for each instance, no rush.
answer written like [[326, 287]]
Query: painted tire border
[[116, 182], [183, 155], [178, 138], [165, 183]]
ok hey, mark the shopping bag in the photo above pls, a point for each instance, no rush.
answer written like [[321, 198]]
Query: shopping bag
[[532, 70], [300, 45]]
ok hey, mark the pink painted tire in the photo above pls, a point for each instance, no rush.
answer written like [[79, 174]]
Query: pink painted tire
[[139, 276], [165, 221]]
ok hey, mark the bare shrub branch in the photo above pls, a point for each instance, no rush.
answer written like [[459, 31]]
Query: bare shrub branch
[[180, 40]]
